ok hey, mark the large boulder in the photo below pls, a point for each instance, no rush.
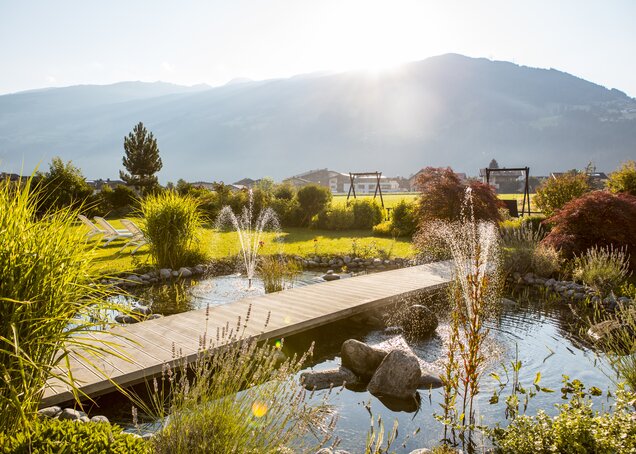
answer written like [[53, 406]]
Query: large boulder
[[397, 376], [418, 321], [327, 378], [361, 358]]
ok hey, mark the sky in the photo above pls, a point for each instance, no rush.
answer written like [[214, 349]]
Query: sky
[[188, 42]]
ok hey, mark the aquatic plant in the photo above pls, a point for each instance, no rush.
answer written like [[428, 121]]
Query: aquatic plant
[[249, 228], [278, 273], [49, 299], [474, 246]]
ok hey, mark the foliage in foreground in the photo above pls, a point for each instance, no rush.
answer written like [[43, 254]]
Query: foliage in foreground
[[522, 252], [598, 218], [244, 398], [575, 429], [554, 193], [47, 295], [171, 226], [52, 436]]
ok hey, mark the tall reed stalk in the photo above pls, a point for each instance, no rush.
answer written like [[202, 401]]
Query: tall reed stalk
[[476, 288], [49, 299], [277, 272]]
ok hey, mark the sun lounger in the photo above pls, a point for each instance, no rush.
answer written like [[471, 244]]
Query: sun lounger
[[138, 239], [93, 229], [111, 233]]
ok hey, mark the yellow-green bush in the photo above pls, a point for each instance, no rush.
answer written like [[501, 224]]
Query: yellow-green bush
[[52, 436], [171, 226], [554, 193]]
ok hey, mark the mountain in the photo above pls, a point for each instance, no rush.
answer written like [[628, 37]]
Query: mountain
[[448, 110]]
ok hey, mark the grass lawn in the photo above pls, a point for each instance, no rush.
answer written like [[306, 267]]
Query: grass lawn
[[294, 241]]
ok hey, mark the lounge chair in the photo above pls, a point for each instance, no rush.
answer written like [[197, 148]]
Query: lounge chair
[[138, 239], [112, 233], [93, 229]]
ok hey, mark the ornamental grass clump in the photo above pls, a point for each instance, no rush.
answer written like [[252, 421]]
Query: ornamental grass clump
[[49, 298], [171, 226], [241, 396], [602, 268]]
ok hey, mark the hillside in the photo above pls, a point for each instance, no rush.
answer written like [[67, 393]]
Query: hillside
[[446, 110]]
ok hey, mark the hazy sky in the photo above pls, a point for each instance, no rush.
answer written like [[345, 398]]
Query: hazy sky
[[59, 43]]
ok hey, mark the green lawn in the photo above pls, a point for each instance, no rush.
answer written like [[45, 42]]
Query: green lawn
[[294, 241]]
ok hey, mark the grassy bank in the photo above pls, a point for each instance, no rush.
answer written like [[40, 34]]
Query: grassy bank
[[294, 241]]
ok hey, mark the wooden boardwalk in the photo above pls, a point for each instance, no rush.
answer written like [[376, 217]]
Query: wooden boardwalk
[[145, 347]]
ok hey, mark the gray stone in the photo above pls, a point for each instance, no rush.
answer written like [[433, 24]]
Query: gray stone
[[141, 310], [165, 273], [361, 358], [346, 259], [126, 319], [397, 376], [421, 451], [100, 418], [185, 272], [199, 269], [84, 419], [429, 380], [154, 316], [175, 274], [331, 451], [327, 378], [393, 330], [330, 276], [419, 321], [49, 412], [377, 261], [71, 414]]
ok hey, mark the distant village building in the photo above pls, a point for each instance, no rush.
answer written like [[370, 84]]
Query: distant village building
[[340, 182], [98, 185], [505, 181]]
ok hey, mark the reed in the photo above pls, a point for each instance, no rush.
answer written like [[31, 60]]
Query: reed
[[49, 300], [278, 273], [172, 224]]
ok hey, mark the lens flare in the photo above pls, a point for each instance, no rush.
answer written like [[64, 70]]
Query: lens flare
[[278, 344], [259, 409]]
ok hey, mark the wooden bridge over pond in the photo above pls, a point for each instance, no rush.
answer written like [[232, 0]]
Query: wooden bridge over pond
[[145, 347]]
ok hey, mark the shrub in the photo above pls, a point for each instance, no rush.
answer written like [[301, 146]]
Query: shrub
[[384, 229], [575, 429], [64, 186], [366, 214], [603, 268], [312, 200], [599, 219], [554, 193], [404, 219], [54, 435], [121, 199], [48, 298], [522, 252], [336, 218], [171, 226], [546, 261], [284, 192], [288, 211], [623, 179], [442, 197]]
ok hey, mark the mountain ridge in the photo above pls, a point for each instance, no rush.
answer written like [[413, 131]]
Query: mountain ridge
[[445, 110]]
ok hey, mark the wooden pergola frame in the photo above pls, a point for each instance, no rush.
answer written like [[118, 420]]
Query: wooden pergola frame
[[378, 189], [526, 186]]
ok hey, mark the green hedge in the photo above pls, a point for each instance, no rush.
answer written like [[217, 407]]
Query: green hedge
[[53, 436]]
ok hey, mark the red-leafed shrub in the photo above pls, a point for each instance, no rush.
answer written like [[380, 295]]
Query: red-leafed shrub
[[598, 218], [442, 196]]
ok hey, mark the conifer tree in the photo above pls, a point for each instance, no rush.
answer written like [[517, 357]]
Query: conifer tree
[[141, 159]]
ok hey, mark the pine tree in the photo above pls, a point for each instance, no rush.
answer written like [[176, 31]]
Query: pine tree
[[141, 159]]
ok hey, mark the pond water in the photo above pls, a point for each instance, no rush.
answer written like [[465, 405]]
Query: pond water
[[545, 335]]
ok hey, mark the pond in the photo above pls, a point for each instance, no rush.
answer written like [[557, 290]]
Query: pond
[[544, 335]]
